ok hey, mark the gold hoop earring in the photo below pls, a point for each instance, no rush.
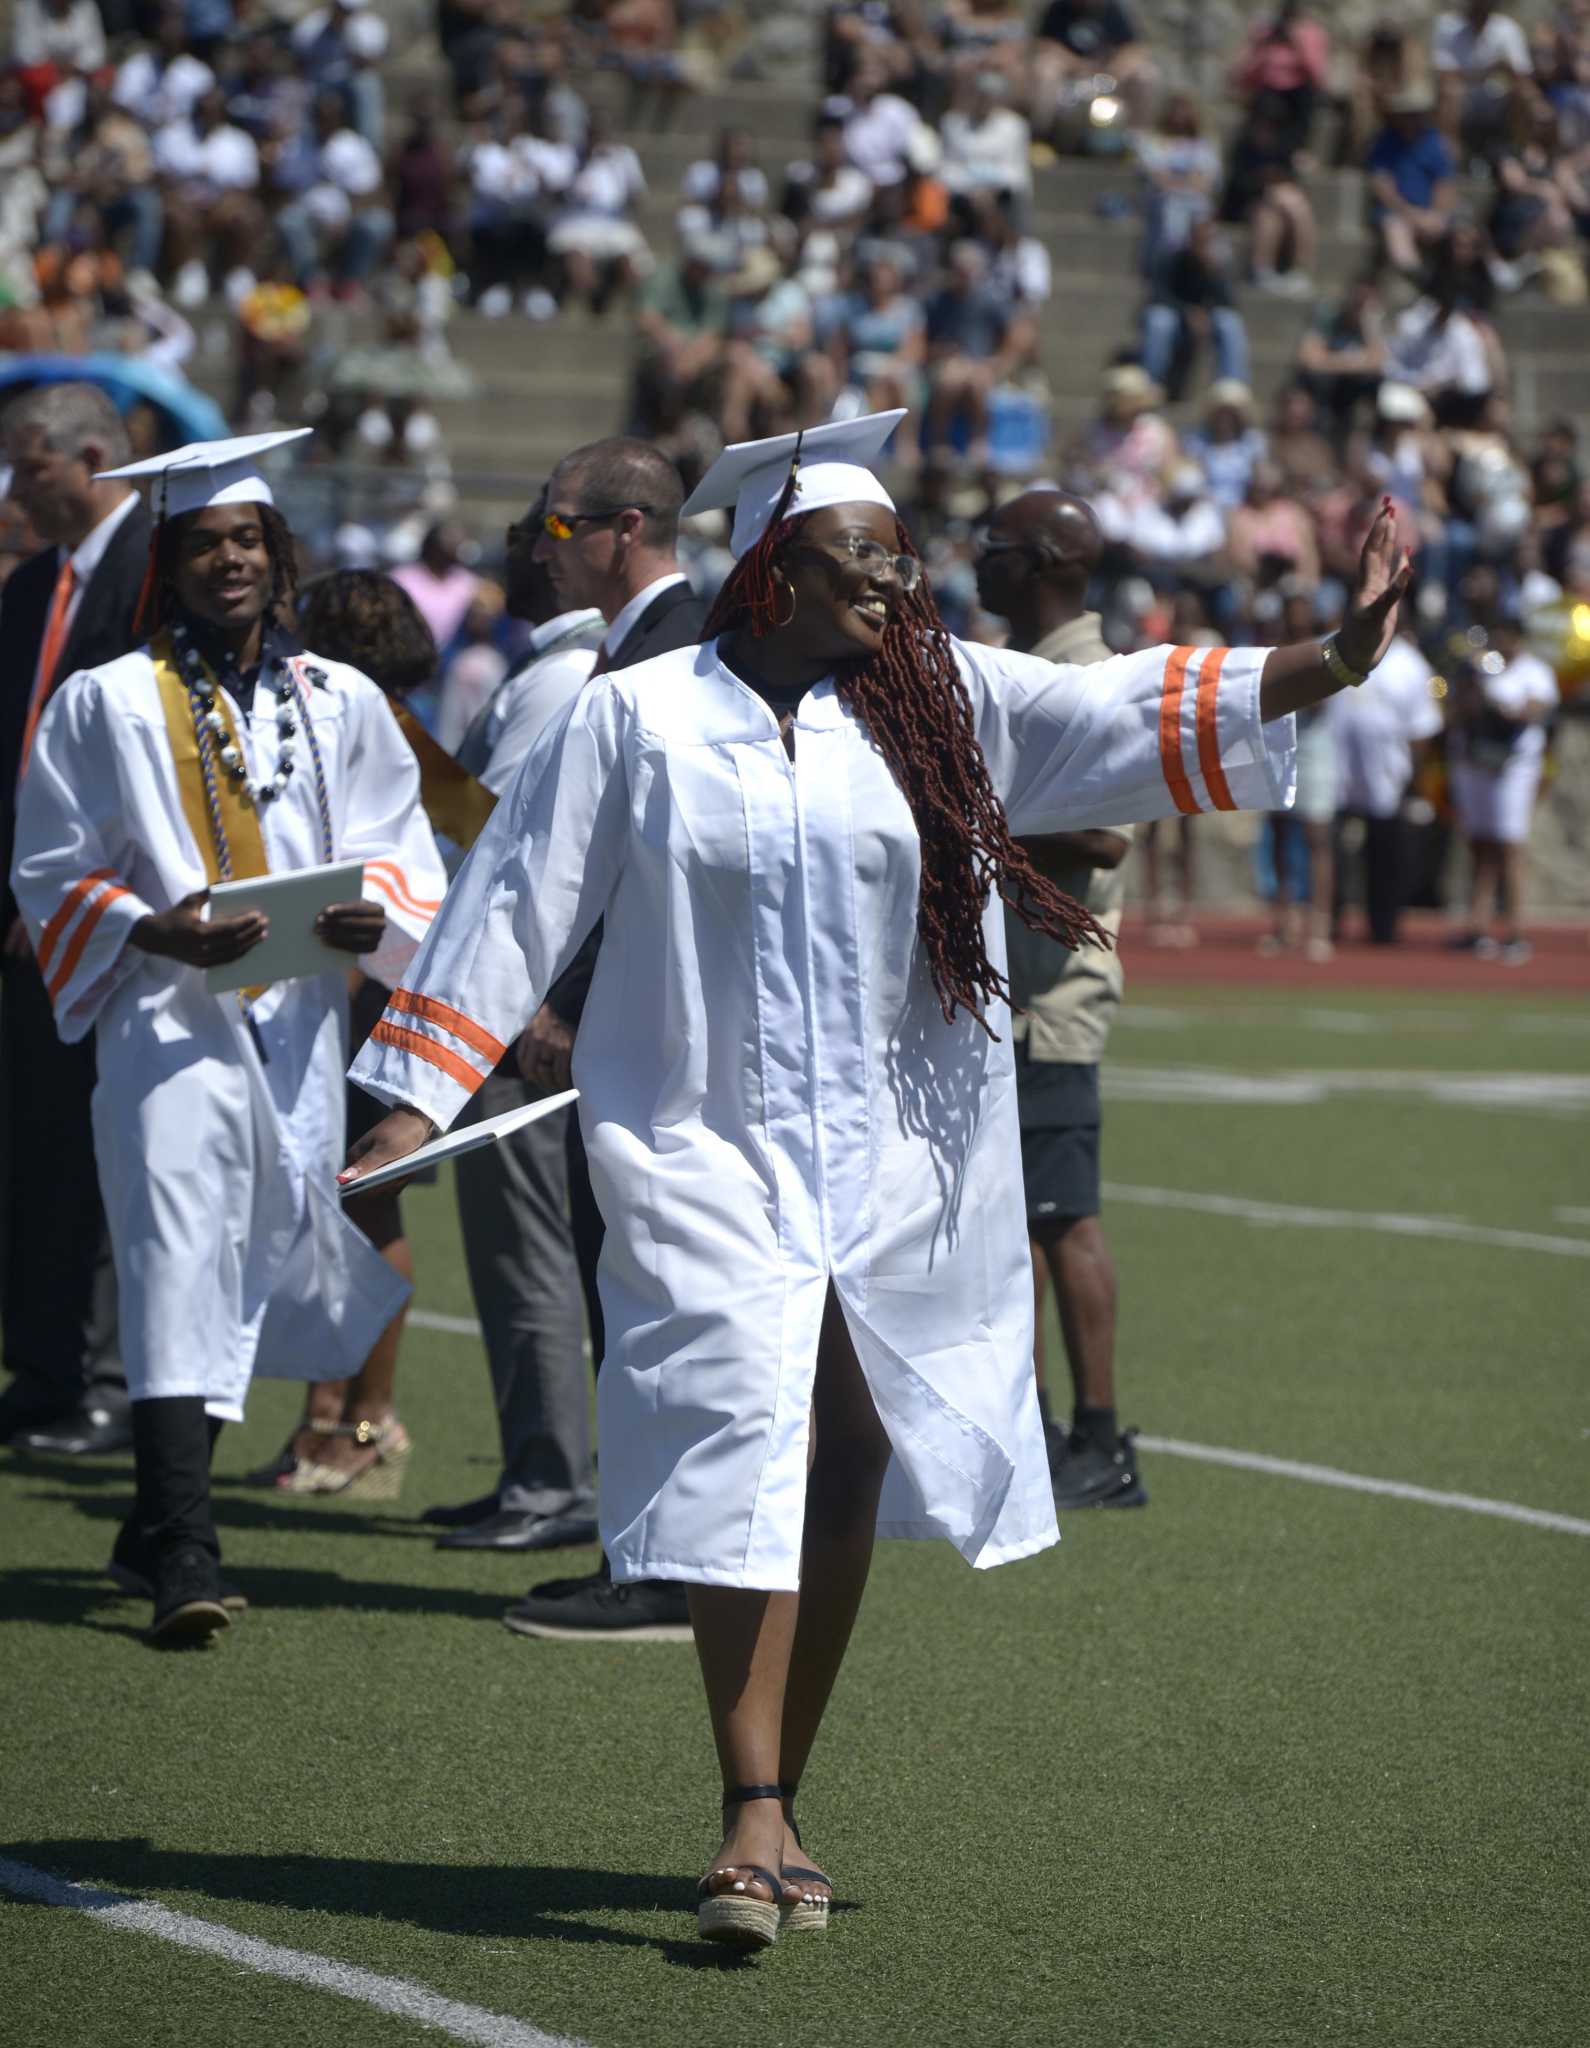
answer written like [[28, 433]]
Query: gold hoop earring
[[778, 622]]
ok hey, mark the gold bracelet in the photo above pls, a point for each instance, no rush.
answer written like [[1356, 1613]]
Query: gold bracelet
[[1337, 666]]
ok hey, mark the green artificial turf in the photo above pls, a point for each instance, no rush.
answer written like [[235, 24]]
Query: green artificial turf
[[1266, 1763]]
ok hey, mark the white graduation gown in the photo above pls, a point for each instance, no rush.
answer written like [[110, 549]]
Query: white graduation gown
[[770, 1095], [218, 1169]]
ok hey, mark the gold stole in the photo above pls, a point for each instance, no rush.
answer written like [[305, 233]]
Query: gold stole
[[239, 821], [453, 800]]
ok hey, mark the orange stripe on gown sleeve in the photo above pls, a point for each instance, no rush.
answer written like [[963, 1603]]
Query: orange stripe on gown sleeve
[[449, 1019], [400, 886], [1170, 760], [50, 937], [1208, 717], [395, 895], [80, 938], [427, 1049]]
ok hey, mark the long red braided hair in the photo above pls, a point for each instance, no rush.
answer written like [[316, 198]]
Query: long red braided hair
[[912, 700]]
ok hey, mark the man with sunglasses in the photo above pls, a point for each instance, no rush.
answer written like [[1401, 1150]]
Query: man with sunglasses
[[1035, 559], [609, 530]]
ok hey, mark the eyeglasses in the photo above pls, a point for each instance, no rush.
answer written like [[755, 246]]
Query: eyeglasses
[[561, 525], [874, 557]]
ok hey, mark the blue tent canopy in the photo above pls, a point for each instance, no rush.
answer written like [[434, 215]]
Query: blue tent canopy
[[185, 414]]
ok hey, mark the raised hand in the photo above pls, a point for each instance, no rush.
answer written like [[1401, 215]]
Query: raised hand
[[1385, 569]]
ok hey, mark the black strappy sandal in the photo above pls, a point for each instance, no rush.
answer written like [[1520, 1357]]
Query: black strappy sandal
[[736, 1916], [809, 1913]]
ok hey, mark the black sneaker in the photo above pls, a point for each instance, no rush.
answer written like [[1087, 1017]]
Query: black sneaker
[[187, 1593], [1088, 1476], [129, 1571], [594, 1609]]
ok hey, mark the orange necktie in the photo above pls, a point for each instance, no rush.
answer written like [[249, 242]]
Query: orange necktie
[[49, 657]]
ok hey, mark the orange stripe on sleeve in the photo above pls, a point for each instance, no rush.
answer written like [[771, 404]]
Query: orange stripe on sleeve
[[427, 1049], [401, 892], [80, 938], [394, 895], [448, 1019], [1209, 729], [1170, 760], [50, 937]]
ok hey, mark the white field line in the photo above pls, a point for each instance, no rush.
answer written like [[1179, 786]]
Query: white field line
[[1386, 1223], [1358, 1482], [1572, 1215], [387, 1994], [1129, 1081], [450, 1326]]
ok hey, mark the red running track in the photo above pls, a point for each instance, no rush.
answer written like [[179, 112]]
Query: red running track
[[1227, 952]]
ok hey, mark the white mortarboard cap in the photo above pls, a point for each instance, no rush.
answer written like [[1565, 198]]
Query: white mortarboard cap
[[835, 469], [211, 472]]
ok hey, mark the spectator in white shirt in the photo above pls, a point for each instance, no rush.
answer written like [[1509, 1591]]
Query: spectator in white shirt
[[987, 145], [1440, 351], [829, 192], [517, 174], [703, 180], [1479, 57], [601, 247], [341, 46], [210, 172], [882, 131], [1499, 744], [1377, 728], [50, 39], [341, 227], [163, 81]]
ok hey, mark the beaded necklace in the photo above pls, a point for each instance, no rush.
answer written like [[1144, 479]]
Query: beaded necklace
[[210, 730]]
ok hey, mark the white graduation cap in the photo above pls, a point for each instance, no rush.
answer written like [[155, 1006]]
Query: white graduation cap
[[211, 472], [833, 467]]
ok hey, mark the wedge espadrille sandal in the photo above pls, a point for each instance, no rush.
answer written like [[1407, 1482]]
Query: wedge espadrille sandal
[[807, 1914], [735, 1914]]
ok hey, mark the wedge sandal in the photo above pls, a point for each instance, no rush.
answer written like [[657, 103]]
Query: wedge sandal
[[735, 1915], [807, 1914]]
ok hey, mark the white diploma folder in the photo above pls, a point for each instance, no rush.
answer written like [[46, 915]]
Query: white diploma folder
[[292, 902], [469, 1139]]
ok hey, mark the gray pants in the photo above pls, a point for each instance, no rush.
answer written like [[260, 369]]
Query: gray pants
[[513, 1206]]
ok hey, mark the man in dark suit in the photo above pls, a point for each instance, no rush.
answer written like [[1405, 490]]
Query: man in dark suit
[[609, 539], [68, 608]]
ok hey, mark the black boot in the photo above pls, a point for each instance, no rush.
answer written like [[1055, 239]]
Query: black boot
[[171, 1531]]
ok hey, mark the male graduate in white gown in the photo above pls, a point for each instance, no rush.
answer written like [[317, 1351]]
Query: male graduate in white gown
[[797, 1088], [219, 750]]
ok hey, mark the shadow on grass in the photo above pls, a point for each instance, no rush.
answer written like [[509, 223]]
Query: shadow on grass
[[512, 1902], [73, 1599], [235, 1508]]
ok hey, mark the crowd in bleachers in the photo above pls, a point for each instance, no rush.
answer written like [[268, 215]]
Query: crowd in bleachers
[[160, 158]]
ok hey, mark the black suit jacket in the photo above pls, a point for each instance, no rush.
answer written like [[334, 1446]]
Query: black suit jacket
[[674, 618], [101, 630]]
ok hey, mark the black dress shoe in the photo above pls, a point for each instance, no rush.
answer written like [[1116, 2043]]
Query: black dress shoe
[[508, 1531], [187, 1588], [466, 1512], [89, 1431], [595, 1610], [24, 1407]]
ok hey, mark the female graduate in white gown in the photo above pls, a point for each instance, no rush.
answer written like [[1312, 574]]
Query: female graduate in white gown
[[218, 1120], [797, 1084]]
